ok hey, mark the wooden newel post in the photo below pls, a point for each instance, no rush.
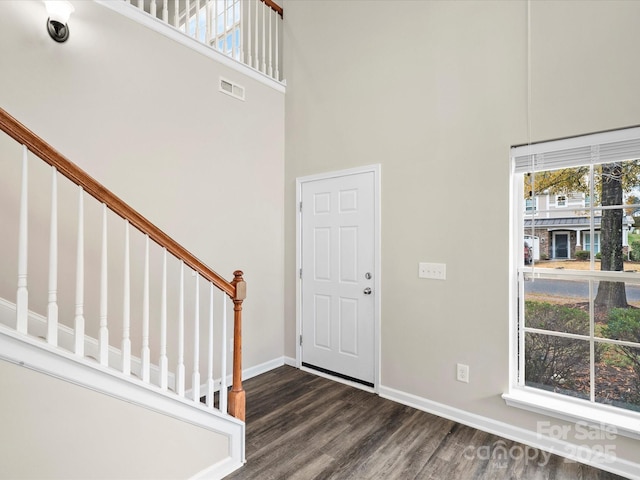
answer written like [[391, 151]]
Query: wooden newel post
[[237, 395]]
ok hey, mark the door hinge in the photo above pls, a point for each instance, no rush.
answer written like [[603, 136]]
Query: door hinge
[[300, 273], [300, 206], [300, 340]]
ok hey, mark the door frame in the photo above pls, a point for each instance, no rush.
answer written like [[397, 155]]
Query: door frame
[[377, 284]]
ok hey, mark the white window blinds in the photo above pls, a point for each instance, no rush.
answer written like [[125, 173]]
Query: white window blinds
[[605, 147]]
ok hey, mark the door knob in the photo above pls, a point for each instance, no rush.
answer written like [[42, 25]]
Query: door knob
[[367, 291]]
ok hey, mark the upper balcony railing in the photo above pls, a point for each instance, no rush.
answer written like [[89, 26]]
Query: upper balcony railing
[[249, 31]]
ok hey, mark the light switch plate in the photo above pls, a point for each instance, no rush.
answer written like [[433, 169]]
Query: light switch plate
[[436, 271]]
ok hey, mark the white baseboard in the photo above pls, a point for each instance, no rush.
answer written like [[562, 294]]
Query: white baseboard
[[219, 470], [563, 448], [292, 362]]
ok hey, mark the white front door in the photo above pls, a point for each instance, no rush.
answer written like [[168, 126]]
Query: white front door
[[338, 277]]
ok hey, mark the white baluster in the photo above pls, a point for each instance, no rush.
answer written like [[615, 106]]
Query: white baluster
[[104, 332], [146, 352], [271, 12], [126, 307], [224, 23], [197, 18], [141, 4], [249, 50], [153, 8], [210, 382], [256, 60], [263, 66], [277, 52], [223, 360], [22, 294], [180, 369], [195, 383], [52, 305], [240, 37], [176, 13], [165, 11], [79, 310], [234, 46], [187, 12], [208, 21], [215, 25], [164, 362]]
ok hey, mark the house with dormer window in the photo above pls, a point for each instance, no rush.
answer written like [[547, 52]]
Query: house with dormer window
[[557, 226]]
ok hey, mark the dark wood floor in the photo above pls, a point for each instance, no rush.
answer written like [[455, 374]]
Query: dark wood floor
[[301, 426]]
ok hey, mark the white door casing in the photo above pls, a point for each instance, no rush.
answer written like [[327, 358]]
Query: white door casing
[[338, 289]]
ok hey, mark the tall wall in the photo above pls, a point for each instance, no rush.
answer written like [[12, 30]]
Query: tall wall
[[144, 116], [436, 93]]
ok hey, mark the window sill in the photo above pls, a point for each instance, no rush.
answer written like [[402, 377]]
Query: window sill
[[625, 423]]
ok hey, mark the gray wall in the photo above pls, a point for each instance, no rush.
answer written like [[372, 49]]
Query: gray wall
[[144, 116], [437, 92]]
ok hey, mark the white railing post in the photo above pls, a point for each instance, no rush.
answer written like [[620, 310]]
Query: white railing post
[[52, 303], [180, 368], [104, 331], [22, 294], [241, 30], [164, 362], [256, 60], [79, 304], [277, 52], [176, 13], [165, 11], [249, 53], [153, 8], [126, 306], [197, 21], [208, 21], [271, 12], [187, 12], [146, 352], [223, 359], [210, 382], [195, 382], [263, 65]]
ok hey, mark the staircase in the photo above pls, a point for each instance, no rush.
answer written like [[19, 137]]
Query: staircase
[[107, 301]]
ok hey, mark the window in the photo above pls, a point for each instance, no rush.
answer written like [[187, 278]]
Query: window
[[531, 204], [576, 333], [596, 242]]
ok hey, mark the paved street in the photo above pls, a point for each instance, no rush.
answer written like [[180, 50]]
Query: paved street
[[573, 288]]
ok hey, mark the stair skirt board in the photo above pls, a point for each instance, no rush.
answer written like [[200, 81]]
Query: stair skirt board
[[31, 351]]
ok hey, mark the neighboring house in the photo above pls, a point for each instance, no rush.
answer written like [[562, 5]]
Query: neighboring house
[[558, 225]]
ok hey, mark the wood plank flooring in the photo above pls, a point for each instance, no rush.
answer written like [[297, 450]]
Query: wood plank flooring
[[303, 427]]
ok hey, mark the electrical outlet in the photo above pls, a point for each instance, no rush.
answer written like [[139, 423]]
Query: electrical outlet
[[462, 373], [437, 271]]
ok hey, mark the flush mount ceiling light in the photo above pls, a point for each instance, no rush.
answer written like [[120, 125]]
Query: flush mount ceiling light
[[59, 12]]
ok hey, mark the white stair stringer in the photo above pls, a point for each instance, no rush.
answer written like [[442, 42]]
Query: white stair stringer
[[35, 353]]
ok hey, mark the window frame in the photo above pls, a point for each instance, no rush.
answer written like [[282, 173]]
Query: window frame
[[627, 422]]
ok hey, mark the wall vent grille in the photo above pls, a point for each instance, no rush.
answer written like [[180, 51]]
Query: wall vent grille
[[232, 89]]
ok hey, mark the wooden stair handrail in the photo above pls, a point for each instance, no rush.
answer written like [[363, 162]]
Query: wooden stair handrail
[[274, 6], [47, 153]]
